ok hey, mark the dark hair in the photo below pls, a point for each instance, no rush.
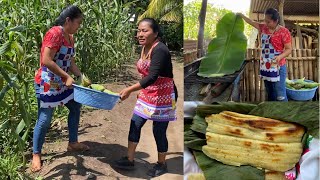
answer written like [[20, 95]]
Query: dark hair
[[273, 13], [71, 11], [153, 24]]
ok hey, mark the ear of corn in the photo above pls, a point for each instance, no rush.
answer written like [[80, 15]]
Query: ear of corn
[[300, 84], [97, 87], [85, 81]]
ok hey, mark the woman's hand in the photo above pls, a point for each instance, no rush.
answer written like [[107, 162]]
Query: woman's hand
[[69, 81], [239, 14], [125, 93], [248, 20], [277, 59]]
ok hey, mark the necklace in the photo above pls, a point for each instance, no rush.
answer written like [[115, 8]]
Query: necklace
[[275, 29]]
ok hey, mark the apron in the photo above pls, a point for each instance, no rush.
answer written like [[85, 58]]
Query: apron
[[157, 101], [269, 69], [50, 88]]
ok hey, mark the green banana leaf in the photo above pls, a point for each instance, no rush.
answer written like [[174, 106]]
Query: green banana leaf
[[226, 52], [303, 113], [213, 169], [194, 140]]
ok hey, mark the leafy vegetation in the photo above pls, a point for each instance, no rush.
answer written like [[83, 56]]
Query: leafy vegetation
[[103, 44], [226, 52], [214, 14]]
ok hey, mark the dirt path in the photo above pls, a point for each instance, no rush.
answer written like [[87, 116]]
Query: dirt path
[[106, 133]]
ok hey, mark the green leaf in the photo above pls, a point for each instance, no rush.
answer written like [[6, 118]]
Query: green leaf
[[4, 91], [5, 48], [194, 140], [4, 125], [18, 28], [7, 65], [1, 82], [199, 124], [17, 46], [205, 110], [20, 127], [213, 169], [226, 52], [303, 113], [8, 79]]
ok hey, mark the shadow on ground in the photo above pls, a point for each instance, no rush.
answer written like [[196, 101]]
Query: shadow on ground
[[108, 153]]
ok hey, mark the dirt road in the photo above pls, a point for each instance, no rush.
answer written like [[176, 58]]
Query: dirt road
[[106, 133]]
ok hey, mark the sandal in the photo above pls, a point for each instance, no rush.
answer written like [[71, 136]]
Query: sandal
[[77, 147]]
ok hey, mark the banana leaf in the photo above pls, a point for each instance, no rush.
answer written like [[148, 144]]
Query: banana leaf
[[303, 113], [213, 169], [199, 123], [205, 110], [194, 140], [226, 52]]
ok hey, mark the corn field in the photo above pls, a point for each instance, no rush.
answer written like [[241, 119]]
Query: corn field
[[103, 44]]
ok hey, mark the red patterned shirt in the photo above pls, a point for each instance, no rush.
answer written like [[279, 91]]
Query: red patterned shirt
[[279, 38], [53, 39]]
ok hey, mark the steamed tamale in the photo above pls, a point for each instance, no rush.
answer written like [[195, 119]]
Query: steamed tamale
[[238, 139], [196, 176], [274, 175]]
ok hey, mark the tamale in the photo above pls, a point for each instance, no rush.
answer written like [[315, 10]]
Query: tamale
[[239, 139]]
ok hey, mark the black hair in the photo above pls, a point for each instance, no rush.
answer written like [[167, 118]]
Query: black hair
[[153, 24], [71, 11], [273, 13]]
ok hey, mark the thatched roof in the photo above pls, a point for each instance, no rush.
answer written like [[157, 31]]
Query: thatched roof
[[293, 10]]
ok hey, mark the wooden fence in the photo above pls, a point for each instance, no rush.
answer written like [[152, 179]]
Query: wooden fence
[[190, 49], [300, 63]]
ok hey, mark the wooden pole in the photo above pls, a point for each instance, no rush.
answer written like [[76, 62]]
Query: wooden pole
[[314, 65], [256, 74], [202, 18], [250, 76], [295, 65], [300, 61], [299, 36], [293, 40], [290, 67], [261, 85], [281, 4], [310, 64], [305, 64], [309, 42]]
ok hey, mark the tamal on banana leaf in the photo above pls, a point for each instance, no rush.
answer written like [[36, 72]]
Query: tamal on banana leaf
[[303, 113]]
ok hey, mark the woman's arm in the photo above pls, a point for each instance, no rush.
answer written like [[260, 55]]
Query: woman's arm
[[74, 69], [48, 56], [249, 21], [125, 93], [157, 63], [286, 52]]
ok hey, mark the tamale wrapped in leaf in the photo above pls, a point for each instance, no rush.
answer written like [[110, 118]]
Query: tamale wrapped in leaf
[[238, 139]]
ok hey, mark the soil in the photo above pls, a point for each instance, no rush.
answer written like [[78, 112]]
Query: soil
[[106, 133]]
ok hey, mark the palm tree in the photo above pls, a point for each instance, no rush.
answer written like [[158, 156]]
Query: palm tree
[[165, 10], [202, 18]]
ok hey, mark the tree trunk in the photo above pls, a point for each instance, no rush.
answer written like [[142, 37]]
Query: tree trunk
[[281, 4], [202, 18]]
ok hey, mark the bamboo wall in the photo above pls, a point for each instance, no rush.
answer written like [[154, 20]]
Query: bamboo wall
[[300, 63], [190, 49]]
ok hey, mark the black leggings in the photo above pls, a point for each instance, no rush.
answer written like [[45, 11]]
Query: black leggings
[[159, 132]]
